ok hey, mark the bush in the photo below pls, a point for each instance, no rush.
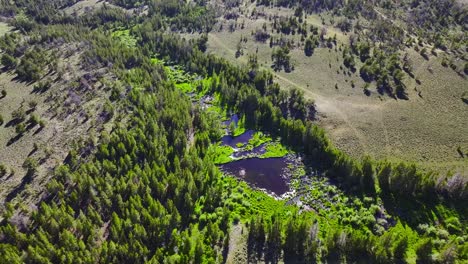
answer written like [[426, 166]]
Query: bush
[[453, 66], [34, 120], [8, 61], [42, 86], [42, 123], [28, 71], [444, 63], [424, 53], [1, 120], [30, 165], [20, 128], [18, 114], [3, 170], [309, 47], [4, 93], [32, 104]]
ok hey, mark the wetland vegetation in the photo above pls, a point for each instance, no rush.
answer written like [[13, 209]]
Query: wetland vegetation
[[180, 156]]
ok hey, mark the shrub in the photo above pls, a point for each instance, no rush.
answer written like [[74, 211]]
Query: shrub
[[4, 93], [28, 71], [18, 114], [30, 165], [34, 120], [42, 123], [3, 170], [20, 128], [453, 66], [42, 86], [8, 61], [444, 63], [424, 53], [32, 104]]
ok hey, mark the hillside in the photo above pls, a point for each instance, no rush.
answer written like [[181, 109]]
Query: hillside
[[360, 123], [233, 131]]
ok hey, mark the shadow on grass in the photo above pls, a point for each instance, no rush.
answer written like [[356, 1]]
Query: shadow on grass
[[413, 212], [38, 130], [22, 80], [9, 176], [34, 150], [409, 211], [14, 139], [26, 180], [29, 111], [13, 122]]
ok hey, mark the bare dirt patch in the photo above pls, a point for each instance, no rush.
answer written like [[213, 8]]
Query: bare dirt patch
[[237, 244]]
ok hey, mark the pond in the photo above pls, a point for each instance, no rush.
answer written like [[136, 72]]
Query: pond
[[232, 141], [266, 174], [234, 118]]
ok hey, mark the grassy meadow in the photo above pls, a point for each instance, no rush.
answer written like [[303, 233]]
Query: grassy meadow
[[427, 129]]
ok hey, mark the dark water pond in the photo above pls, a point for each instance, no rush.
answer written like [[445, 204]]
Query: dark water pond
[[234, 118], [263, 173], [232, 141]]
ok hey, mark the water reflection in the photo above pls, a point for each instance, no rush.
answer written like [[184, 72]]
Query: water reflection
[[232, 141], [267, 174]]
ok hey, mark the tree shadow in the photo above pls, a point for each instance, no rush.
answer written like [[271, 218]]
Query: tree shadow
[[410, 73], [461, 74], [409, 211], [12, 173], [22, 80], [34, 150], [25, 181], [29, 111], [14, 139], [13, 122]]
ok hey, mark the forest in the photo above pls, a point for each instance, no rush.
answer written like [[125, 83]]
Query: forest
[[148, 190]]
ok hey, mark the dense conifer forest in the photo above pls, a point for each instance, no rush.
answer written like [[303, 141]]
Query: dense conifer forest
[[145, 185]]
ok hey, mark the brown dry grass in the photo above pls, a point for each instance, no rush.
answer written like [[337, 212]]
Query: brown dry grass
[[65, 124], [426, 129]]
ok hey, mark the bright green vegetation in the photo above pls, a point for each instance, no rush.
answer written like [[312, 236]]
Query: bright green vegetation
[[222, 154], [245, 203], [275, 150], [258, 139], [125, 37], [184, 81], [239, 128], [359, 124], [221, 113], [149, 190]]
